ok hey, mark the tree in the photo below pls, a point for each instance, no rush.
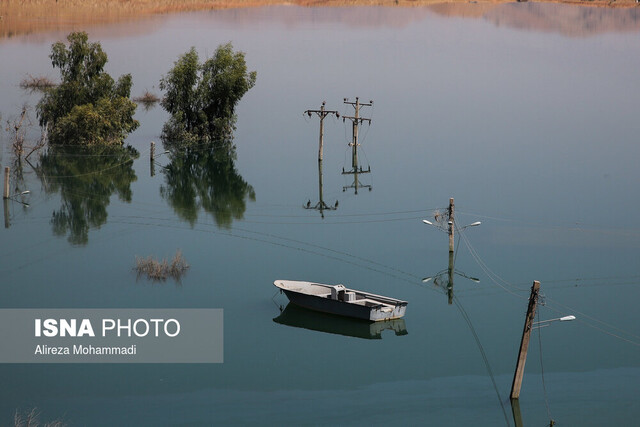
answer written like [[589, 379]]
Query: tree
[[202, 98], [88, 107]]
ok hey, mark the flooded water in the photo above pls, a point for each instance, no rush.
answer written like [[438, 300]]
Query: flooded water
[[529, 123]]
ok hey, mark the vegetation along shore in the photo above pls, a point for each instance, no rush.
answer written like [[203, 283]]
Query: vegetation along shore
[[21, 17]]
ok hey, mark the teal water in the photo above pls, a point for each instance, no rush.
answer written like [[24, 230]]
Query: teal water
[[532, 130]]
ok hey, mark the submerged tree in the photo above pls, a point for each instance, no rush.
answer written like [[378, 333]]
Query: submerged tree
[[202, 98], [88, 107]]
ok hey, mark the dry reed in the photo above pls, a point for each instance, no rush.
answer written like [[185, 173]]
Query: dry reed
[[161, 270], [36, 83], [147, 98]]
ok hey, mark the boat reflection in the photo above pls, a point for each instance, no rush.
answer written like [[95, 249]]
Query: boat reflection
[[298, 317]]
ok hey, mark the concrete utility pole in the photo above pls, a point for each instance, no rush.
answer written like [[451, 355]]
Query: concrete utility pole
[[356, 121], [322, 113], [524, 343]]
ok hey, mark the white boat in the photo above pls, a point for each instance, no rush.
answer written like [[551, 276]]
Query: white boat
[[336, 299]]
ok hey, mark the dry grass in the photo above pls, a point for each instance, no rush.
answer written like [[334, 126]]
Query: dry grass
[[40, 83], [159, 271], [19, 17]]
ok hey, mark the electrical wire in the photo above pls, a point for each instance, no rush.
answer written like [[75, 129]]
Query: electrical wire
[[467, 319], [544, 387]]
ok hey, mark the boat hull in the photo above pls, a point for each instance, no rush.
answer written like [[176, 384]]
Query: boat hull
[[370, 310]]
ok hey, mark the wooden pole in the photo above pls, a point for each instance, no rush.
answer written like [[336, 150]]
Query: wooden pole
[[451, 223], [322, 115], [524, 343], [356, 120], [354, 149], [5, 193]]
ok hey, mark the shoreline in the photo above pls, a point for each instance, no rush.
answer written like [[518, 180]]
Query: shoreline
[[26, 17]]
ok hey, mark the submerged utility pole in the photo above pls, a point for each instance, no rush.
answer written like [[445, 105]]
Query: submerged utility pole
[[524, 343], [322, 113], [356, 120]]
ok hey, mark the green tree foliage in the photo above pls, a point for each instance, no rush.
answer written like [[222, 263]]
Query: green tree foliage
[[202, 98], [88, 107], [86, 178]]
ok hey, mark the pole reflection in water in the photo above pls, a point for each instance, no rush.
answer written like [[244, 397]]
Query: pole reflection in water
[[298, 317], [515, 409], [5, 202], [356, 184], [321, 205], [444, 278]]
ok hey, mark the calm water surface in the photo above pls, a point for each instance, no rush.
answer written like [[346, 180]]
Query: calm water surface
[[530, 124]]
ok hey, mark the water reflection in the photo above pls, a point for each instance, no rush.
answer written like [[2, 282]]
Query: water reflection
[[444, 278], [321, 205], [517, 415], [298, 317], [569, 20], [206, 179], [15, 189], [5, 203], [86, 178]]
